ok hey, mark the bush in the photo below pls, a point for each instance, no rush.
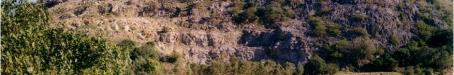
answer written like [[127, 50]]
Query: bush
[[385, 62], [237, 7], [299, 69], [342, 44], [394, 40], [295, 3], [365, 50], [274, 12], [237, 67], [333, 29], [129, 44], [247, 68], [358, 52], [247, 16], [143, 66], [360, 31], [317, 66], [359, 17], [318, 25], [417, 53], [288, 68], [447, 18], [423, 30], [325, 10], [30, 47], [440, 38], [418, 71], [339, 49], [420, 56], [145, 60]]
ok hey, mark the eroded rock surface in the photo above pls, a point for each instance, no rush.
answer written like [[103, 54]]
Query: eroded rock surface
[[204, 30]]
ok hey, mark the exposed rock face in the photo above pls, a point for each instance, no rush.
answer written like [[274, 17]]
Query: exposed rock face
[[203, 30]]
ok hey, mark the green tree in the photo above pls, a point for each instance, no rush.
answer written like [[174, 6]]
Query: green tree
[[30, 47]]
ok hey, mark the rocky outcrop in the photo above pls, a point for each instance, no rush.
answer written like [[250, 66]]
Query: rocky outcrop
[[203, 30]]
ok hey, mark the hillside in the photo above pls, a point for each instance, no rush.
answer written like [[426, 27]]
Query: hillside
[[326, 36]]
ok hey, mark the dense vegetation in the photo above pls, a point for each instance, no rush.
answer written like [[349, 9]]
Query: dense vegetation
[[29, 46], [247, 12], [238, 67]]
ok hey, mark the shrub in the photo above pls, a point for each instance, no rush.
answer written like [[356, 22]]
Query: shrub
[[299, 69], [339, 49], [417, 53], [237, 7], [236, 67], [342, 44], [127, 44], [325, 10], [359, 17], [394, 40], [440, 38], [288, 68], [447, 18], [217, 68], [198, 69], [384, 63], [425, 18], [333, 29], [360, 31], [295, 3], [247, 68], [146, 51], [274, 13], [145, 59], [248, 16], [322, 28], [365, 50], [317, 66], [144, 66], [319, 26], [418, 71], [424, 30], [359, 52]]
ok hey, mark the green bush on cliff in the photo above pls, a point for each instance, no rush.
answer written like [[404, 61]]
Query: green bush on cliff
[[318, 66]]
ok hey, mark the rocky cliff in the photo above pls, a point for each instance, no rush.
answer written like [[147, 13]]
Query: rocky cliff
[[202, 30]]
